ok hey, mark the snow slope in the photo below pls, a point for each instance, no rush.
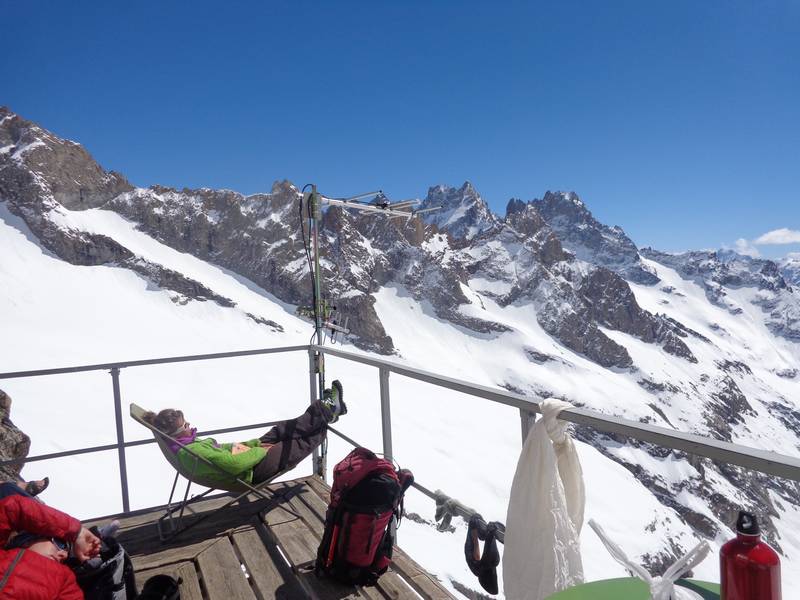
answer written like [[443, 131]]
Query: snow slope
[[57, 314]]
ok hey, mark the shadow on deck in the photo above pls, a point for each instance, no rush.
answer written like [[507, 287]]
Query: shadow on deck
[[260, 549]]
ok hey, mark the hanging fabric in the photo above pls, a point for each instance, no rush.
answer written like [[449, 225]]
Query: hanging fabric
[[545, 512], [483, 564], [661, 588]]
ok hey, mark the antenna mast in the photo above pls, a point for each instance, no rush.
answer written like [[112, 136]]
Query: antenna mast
[[311, 208], [312, 204]]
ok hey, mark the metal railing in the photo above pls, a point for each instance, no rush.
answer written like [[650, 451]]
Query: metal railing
[[114, 369], [751, 458]]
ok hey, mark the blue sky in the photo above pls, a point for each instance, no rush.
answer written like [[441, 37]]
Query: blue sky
[[676, 120]]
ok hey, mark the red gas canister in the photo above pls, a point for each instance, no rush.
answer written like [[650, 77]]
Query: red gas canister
[[749, 568]]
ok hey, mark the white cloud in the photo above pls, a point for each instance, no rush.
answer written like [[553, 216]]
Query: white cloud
[[777, 236], [744, 247]]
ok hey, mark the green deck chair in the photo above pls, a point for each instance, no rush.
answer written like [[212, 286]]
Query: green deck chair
[[174, 526]]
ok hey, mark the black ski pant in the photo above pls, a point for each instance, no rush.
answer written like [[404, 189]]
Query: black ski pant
[[293, 440]]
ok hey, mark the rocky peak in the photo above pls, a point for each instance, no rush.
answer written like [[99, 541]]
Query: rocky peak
[[590, 240], [537, 235], [53, 167], [284, 187], [515, 205], [566, 204], [463, 213], [526, 219]]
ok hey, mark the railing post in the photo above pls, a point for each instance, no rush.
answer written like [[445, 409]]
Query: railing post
[[123, 468], [320, 454], [386, 427], [527, 419], [386, 413]]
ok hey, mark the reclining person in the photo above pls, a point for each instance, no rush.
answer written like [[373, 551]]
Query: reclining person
[[31, 562], [256, 460]]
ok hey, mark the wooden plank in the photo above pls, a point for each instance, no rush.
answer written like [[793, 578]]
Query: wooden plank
[[269, 580], [144, 539], [316, 502], [424, 584], [292, 536], [222, 574], [168, 556], [185, 571], [320, 488], [151, 515], [301, 502], [324, 589]]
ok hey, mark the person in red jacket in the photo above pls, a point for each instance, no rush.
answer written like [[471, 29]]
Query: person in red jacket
[[36, 572]]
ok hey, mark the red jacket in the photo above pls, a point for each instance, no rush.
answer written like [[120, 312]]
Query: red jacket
[[35, 577]]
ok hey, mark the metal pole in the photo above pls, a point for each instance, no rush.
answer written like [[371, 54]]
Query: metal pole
[[386, 429], [386, 413], [317, 358], [319, 454], [527, 419], [123, 468], [314, 218]]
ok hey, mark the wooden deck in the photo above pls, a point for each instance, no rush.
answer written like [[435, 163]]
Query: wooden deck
[[260, 549]]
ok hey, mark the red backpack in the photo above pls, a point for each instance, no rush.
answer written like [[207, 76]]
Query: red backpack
[[367, 494]]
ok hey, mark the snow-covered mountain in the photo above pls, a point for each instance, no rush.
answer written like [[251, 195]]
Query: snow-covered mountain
[[461, 211], [544, 301], [790, 268]]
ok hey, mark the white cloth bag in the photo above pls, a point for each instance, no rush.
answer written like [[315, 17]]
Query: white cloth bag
[[661, 588], [542, 552]]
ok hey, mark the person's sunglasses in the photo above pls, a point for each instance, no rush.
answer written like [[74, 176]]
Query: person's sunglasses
[[61, 544]]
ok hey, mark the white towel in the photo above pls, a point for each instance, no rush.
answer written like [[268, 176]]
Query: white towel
[[542, 553]]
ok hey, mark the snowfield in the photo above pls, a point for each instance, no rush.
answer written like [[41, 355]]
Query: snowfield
[[55, 314]]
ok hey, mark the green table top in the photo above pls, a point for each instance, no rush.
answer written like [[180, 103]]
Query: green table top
[[630, 588]]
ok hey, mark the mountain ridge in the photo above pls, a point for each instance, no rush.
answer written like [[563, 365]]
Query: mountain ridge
[[600, 302]]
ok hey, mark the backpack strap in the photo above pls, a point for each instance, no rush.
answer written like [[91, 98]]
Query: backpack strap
[[11, 567]]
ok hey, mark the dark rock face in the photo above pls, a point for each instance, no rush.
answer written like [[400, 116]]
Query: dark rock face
[[34, 160], [527, 221], [172, 280], [584, 337], [590, 240], [39, 173], [729, 408], [611, 302]]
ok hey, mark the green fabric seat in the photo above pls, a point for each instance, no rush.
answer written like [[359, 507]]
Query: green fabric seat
[[238, 486], [163, 441]]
